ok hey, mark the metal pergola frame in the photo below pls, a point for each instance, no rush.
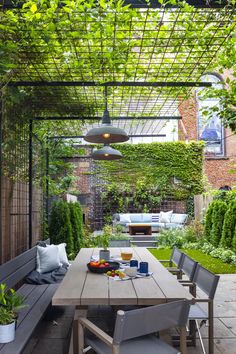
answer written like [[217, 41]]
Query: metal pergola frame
[[169, 71]]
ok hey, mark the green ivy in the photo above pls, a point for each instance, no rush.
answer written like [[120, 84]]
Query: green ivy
[[148, 172]]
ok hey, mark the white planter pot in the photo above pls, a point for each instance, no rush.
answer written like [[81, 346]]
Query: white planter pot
[[104, 254], [7, 333]]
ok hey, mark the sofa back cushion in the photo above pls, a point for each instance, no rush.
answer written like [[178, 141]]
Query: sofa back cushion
[[147, 218], [179, 218], [136, 218], [125, 218]]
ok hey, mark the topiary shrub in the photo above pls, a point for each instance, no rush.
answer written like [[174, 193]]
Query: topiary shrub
[[60, 229], [218, 214], [234, 240], [208, 221], [229, 226], [76, 218]]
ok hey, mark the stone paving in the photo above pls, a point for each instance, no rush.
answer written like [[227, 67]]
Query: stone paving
[[53, 333]]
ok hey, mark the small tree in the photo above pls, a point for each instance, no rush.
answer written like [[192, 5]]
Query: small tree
[[234, 240], [229, 226], [60, 229], [218, 214], [208, 221], [76, 217]]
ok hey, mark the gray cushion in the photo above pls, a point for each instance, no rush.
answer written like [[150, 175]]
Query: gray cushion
[[172, 225], [146, 344]]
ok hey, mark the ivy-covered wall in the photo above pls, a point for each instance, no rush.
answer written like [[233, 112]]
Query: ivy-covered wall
[[149, 173]]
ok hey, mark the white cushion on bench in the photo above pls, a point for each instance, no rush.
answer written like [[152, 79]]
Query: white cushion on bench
[[165, 216], [47, 258]]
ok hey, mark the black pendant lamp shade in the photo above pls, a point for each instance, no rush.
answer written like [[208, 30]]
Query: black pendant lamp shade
[[106, 153], [106, 133]]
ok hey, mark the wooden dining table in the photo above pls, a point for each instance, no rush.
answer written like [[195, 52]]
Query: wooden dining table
[[82, 288]]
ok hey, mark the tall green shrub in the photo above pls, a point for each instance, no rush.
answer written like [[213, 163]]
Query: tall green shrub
[[76, 217], [208, 221], [60, 229], [234, 240], [218, 214], [229, 226]]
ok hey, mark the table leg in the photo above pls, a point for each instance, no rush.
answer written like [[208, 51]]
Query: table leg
[[76, 345]]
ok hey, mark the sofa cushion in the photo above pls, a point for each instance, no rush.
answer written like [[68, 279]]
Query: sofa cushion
[[125, 218], [136, 218], [158, 224], [146, 218], [172, 225], [178, 218], [165, 216]]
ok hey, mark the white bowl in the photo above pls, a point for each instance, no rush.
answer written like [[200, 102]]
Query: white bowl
[[131, 271]]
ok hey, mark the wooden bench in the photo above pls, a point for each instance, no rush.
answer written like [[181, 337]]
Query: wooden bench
[[37, 298]]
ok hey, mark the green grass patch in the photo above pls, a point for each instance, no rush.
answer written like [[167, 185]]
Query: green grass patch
[[215, 265]]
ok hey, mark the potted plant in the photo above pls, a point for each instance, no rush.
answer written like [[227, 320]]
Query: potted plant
[[118, 239], [10, 304], [104, 242]]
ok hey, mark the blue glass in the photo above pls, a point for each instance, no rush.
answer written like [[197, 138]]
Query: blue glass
[[133, 263], [143, 267]]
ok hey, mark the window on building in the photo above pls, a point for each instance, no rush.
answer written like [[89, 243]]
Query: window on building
[[211, 129]]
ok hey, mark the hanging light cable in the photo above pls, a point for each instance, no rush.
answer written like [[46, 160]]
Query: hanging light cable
[[106, 133]]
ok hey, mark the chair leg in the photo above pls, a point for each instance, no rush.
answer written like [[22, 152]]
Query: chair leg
[[200, 337], [211, 328]]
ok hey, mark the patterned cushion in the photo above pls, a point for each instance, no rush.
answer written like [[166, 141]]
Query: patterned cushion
[[155, 217]]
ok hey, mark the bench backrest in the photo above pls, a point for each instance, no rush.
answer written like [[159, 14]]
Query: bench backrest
[[17, 268]]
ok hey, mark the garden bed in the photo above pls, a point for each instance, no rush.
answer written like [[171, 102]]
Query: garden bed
[[215, 265]]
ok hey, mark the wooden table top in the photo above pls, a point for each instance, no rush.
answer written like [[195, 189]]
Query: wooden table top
[[82, 288]]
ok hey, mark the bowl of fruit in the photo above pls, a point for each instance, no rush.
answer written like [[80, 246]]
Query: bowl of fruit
[[102, 266]]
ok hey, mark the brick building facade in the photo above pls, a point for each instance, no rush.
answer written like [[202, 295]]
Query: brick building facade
[[217, 168]]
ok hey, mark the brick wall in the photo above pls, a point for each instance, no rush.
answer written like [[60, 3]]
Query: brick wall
[[216, 169]]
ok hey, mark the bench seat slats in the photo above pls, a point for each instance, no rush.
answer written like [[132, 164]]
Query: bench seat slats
[[19, 274], [27, 325], [11, 266]]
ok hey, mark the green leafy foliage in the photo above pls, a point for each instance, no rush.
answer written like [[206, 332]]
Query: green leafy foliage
[[234, 240], [218, 214], [76, 218], [208, 221], [60, 229], [213, 264], [229, 226], [10, 303], [146, 175], [6, 316]]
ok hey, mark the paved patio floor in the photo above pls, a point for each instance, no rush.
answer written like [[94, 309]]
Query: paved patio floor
[[53, 333]]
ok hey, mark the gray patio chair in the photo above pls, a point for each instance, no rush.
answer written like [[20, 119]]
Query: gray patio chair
[[207, 282], [175, 258], [188, 267], [135, 331]]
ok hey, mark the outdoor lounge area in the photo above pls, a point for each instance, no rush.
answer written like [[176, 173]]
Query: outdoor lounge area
[[118, 177]]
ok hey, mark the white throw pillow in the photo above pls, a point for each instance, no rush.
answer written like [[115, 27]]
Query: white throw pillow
[[165, 217], [47, 258], [125, 218], [62, 254]]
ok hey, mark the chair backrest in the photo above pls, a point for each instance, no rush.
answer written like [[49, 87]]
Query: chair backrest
[[188, 266], [206, 281], [136, 323], [176, 256]]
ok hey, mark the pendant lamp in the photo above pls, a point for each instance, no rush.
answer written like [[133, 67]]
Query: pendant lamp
[[106, 153], [106, 133]]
